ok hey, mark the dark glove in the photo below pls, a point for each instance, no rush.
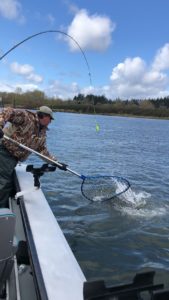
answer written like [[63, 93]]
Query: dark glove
[[1, 133], [62, 167]]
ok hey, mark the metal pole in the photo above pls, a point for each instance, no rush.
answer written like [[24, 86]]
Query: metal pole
[[42, 156]]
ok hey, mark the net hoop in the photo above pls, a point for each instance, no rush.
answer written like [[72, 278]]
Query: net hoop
[[104, 187]]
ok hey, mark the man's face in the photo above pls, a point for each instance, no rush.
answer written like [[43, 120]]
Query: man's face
[[45, 120]]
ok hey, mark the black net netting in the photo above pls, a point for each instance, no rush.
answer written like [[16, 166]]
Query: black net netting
[[101, 188]]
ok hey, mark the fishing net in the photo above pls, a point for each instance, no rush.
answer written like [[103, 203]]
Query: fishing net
[[101, 188]]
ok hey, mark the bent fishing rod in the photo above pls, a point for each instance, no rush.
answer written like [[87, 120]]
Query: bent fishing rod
[[66, 35], [52, 31], [94, 188]]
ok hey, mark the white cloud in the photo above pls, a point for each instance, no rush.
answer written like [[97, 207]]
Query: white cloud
[[35, 78], [12, 10], [26, 87], [26, 71], [131, 78], [134, 79], [155, 77], [131, 70], [21, 69], [51, 19], [6, 87], [161, 61], [10, 88], [62, 91], [73, 8], [91, 32]]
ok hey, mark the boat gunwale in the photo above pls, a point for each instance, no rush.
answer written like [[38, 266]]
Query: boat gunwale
[[34, 261]]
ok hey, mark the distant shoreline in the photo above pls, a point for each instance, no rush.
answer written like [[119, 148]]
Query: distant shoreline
[[111, 114], [100, 114]]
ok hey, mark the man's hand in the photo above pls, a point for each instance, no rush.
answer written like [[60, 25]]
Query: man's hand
[[1, 133], [62, 166]]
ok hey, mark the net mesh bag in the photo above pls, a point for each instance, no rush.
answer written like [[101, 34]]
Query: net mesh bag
[[101, 188]]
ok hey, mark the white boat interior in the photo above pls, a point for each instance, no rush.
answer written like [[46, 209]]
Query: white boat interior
[[36, 261]]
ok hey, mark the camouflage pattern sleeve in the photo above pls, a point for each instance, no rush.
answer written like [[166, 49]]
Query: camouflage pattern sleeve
[[2, 122], [14, 116]]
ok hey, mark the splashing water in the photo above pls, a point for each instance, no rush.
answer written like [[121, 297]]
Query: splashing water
[[136, 205], [138, 200], [131, 197], [103, 188], [145, 213]]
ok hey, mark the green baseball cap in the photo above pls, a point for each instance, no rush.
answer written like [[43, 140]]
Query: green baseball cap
[[46, 110]]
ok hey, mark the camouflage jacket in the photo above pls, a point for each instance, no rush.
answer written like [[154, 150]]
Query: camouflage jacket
[[24, 127]]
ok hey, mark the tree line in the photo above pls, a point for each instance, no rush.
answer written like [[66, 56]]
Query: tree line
[[88, 104]]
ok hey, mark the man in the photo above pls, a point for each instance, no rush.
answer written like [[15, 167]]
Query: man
[[27, 128]]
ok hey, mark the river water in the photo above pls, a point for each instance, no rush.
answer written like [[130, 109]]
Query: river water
[[112, 240]]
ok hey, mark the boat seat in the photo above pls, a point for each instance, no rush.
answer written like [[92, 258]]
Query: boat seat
[[7, 244]]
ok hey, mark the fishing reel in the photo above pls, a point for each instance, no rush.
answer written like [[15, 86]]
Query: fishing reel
[[38, 172]]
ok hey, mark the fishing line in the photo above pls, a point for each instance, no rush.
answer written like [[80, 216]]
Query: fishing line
[[102, 187], [73, 39]]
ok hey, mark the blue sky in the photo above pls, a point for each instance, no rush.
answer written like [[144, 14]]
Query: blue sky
[[126, 44]]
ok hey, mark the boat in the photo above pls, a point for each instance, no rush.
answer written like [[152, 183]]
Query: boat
[[36, 262]]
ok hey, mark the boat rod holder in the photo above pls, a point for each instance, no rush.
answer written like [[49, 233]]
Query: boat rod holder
[[141, 288], [38, 172]]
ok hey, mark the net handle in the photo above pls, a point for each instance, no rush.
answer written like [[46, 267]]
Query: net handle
[[43, 156]]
